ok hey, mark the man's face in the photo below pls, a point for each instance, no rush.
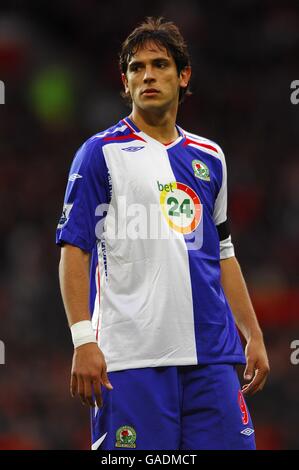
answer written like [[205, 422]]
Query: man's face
[[152, 78]]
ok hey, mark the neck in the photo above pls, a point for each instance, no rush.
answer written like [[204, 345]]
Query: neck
[[159, 126]]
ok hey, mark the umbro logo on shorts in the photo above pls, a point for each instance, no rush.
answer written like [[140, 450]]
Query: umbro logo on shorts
[[132, 149], [247, 431]]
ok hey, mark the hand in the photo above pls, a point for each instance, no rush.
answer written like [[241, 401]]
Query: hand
[[89, 371], [257, 368]]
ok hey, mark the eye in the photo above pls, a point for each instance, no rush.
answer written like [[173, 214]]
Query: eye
[[135, 67], [161, 65]]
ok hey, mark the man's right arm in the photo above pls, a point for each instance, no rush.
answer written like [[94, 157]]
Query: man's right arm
[[89, 370]]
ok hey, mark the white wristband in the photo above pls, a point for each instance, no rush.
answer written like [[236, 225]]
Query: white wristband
[[82, 333]]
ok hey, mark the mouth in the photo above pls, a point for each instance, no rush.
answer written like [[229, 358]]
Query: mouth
[[150, 92]]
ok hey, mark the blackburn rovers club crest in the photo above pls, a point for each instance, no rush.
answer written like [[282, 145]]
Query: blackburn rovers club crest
[[126, 437], [201, 170]]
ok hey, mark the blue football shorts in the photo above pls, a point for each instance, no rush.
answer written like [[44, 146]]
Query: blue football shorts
[[173, 408]]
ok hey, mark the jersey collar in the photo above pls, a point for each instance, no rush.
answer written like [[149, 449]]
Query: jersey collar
[[136, 130]]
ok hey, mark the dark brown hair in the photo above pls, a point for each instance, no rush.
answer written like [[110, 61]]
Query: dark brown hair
[[165, 34]]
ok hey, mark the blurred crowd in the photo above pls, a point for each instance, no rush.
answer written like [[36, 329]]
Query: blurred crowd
[[59, 63]]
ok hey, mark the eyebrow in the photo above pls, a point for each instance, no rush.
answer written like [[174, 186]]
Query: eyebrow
[[156, 59]]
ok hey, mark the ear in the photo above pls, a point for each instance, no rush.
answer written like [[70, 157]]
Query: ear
[[185, 76], [125, 83]]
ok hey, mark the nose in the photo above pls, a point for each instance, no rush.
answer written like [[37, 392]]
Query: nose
[[148, 75]]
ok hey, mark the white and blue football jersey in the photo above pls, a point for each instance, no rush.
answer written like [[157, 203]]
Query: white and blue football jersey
[[154, 218]]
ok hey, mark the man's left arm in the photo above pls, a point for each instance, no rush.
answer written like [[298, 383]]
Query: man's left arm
[[234, 286]]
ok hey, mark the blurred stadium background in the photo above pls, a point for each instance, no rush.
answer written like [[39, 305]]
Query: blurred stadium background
[[58, 61]]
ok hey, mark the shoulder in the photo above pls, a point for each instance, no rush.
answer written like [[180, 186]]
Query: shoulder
[[115, 132], [90, 153], [101, 138], [203, 143]]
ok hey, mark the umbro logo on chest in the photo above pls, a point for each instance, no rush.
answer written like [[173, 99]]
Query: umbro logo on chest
[[132, 149]]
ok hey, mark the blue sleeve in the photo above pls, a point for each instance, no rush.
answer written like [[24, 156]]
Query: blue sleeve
[[87, 188]]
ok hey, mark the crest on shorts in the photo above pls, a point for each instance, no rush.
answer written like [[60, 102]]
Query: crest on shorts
[[126, 437], [201, 170]]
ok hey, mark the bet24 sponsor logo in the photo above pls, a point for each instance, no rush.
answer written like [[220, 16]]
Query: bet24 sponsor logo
[[176, 207], [180, 205]]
